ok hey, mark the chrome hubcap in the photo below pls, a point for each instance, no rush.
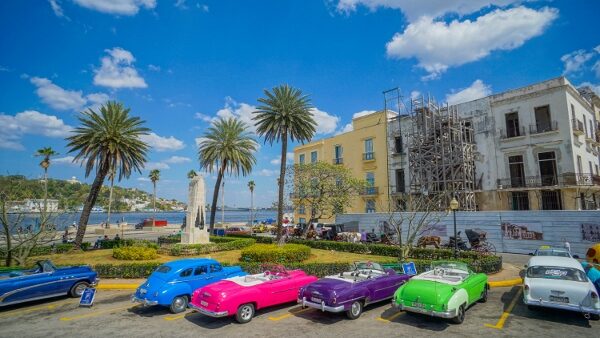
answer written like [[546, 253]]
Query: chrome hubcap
[[355, 308], [79, 289], [246, 312], [179, 303]]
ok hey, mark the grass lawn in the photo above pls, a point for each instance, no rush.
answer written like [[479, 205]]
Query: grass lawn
[[94, 257]]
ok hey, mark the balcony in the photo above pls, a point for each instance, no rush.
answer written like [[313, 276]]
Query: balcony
[[369, 156], [370, 191], [543, 127], [577, 127], [512, 133], [566, 179], [338, 160]]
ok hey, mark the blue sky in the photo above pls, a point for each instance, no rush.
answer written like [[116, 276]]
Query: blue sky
[[179, 64]]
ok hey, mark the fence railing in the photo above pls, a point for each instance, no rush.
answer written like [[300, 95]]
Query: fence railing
[[368, 191], [338, 160], [566, 179], [368, 156], [543, 127], [512, 132], [577, 126]]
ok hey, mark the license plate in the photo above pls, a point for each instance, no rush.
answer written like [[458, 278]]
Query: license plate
[[143, 291], [419, 305], [559, 299], [203, 303], [316, 300]]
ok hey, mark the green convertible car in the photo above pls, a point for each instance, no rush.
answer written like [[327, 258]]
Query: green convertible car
[[445, 291]]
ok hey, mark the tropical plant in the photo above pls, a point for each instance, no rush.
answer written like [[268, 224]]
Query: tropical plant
[[284, 113], [107, 139], [46, 153], [227, 147], [251, 186], [154, 177], [191, 174]]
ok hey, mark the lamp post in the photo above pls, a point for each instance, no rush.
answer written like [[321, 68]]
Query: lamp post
[[454, 207]]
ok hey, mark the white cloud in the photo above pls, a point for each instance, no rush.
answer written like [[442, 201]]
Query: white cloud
[[594, 87], [177, 159], [123, 7], [203, 7], [58, 11], [596, 68], [117, 71], [289, 159], [438, 45], [416, 9], [157, 165], [63, 99], [67, 160], [160, 143], [199, 140], [326, 124], [154, 68], [4, 69], [181, 4], [475, 91], [143, 179], [348, 127], [363, 113], [575, 61], [267, 172], [30, 122], [203, 117], [415, 94], [240, 111]]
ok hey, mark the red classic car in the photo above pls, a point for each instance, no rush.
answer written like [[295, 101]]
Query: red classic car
[[242, 296]]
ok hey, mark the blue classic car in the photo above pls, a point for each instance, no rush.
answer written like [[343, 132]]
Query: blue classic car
[[173, 283], [44, 281]]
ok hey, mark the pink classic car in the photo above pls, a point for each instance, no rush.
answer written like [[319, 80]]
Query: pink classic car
[[242, 296]]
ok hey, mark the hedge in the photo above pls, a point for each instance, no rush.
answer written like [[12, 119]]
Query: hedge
[[134, 253], [276, 254], [58, 248], [111, 243], [130, 270], [200, 249]]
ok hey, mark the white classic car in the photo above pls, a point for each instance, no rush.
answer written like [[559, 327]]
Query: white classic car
[[560, 283]]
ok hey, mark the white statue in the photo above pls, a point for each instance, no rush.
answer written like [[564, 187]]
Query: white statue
[[196, 229]]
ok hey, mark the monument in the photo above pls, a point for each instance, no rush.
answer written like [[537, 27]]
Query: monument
[[196, 229]]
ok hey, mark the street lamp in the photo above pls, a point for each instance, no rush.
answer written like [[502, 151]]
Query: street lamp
[[454, 207]]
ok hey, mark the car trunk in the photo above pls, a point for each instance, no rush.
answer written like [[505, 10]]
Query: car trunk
[[323, 289], [425, 292], [556, 290]]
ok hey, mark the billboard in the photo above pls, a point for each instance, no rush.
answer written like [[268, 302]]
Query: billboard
[[523, 231], [590, 232]]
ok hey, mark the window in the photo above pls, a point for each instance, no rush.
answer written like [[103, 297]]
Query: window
[[301, 158], [590, 165], [512, 125], [551, 200], [368, 155], [200, 270], [400, 187], [370, 190], [186, 273], [398, 144], [517, 172], [596, 166], [338, 152], [313, 157], [542, 119], [163, 269], [215, 268], [591, 129], [370, 206], [301, 209], [579, 165], [547, 163], [302, 220], [573, 111], [520, 200]]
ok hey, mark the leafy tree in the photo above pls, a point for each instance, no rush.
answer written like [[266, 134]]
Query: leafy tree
[[284, 113], [107, 139], [154, 177], [251, 186], [191, 174], [325, 189], [46, 153], [228, 147]]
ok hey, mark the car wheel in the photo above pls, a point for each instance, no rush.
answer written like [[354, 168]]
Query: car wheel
[[78, 288], [594, 316], [179, 304], [355, 310], [244, 313], [460, 316], [484, 295]]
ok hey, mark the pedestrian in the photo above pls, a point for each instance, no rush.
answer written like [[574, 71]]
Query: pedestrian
[[117, 238], [567, 245], [98, 242], [593, 274], [106, 238]]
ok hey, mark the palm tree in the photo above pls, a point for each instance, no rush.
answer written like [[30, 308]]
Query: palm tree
[[108, 139], [111, 178], [191, 174], [251, 186], [154, 177], [284, 112], [227, 148], [46, 152]]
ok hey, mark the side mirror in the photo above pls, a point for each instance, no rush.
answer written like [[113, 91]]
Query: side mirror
[[576, 256]]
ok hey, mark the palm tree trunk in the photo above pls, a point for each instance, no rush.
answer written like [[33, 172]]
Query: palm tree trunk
[[45, 189], [89, 204], [213, 207], [251, 209], [281, 185], [112, 182], [154, 206]]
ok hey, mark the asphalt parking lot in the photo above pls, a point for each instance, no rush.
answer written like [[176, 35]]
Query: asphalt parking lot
[[113, 315]]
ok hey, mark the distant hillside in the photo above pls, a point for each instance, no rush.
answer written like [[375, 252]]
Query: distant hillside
[[73, 195]]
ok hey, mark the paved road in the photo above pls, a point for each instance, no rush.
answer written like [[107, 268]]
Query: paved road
[[114, 316]]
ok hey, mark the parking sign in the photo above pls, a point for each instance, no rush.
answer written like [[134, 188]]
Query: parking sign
[[87, 297], [409, 268]]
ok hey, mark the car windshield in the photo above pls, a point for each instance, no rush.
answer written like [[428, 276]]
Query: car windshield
[[450, 265], [163, 269], [552, 252], [368, 266], [556, 272]]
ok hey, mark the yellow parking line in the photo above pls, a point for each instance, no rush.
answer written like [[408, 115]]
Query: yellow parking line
[[97, 313], [500, 324], [178, 316], [390, 318], [16, 313], [287, 315]]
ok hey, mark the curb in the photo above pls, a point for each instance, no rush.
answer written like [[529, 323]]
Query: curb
[[117, 286], [506, 282]]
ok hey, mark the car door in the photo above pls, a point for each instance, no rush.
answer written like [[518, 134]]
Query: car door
[[473, 287], [200, 277], [382, 287]]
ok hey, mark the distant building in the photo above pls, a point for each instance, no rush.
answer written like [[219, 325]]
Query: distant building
[[73, 180], [33, 205]]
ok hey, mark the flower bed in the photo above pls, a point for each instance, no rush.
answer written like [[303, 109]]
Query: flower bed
[[272, 253], [134, 253], [200, 249]]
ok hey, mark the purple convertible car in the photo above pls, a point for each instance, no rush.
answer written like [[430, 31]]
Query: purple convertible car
[[351, 291]]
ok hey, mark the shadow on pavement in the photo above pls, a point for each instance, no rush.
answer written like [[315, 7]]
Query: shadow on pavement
[[149, 311]]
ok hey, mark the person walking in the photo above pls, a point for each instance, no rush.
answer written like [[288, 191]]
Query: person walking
[[593, 274]]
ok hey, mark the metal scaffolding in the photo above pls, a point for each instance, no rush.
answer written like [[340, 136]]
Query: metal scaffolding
[[441, 153]]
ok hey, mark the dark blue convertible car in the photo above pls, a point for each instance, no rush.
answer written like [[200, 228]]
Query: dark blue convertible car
[[44, 281]]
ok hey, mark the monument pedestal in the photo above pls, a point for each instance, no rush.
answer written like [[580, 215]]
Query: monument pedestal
[[195, 231]]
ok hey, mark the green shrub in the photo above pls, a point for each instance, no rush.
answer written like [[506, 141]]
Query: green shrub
[[258, 239], [58, 248], [200, 249], [134, 253], [275, 254], [130, 270]]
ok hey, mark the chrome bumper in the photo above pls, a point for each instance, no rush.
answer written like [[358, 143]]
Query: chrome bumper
[[560, 306], [320, 306], [143, 301], [206, 312], [440, 314]]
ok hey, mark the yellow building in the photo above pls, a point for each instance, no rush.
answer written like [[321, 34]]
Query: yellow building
[[363, 150]]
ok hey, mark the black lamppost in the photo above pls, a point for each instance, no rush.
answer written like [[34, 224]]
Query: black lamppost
[[454, 207]]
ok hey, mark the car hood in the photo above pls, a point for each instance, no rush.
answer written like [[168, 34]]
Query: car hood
[[325, 288], [543, 288], [426, 292]]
